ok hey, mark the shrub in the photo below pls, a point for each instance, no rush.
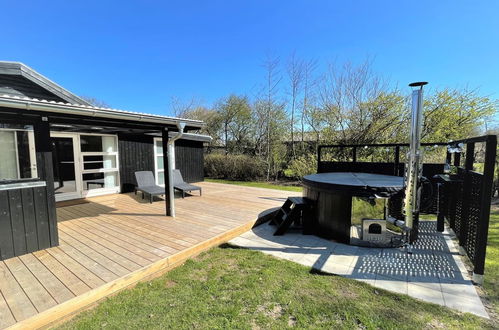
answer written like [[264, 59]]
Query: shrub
[[233, 167], [301, 166]]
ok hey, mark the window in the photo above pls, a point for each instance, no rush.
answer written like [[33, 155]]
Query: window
[[17, 149], [100, 161], [98, 143], [159, 162]]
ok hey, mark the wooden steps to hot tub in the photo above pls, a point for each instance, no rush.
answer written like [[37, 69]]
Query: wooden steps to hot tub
[[294, 210]]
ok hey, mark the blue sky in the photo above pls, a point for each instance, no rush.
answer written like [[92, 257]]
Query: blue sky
[[138, 55]]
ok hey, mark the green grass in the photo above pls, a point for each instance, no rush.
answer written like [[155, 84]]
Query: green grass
[[237, 288], [491, 280], [256, 184]]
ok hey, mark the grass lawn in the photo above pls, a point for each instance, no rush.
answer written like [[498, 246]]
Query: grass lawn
[[237, 288], [491, 280], [256, 184]]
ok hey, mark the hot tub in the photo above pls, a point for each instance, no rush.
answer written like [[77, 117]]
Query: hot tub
[[332, 195]]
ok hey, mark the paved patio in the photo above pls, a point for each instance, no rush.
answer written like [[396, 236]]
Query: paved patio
[[434, 272]]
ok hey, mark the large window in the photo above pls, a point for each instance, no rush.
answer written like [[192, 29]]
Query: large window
[[17, 152], [100, 161]]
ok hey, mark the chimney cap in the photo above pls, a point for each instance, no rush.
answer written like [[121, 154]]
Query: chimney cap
[[418, 83]]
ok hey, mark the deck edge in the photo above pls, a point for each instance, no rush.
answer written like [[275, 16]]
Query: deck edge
[[71, 308]]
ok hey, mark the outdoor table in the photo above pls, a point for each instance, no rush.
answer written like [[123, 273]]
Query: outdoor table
[[332, 195]]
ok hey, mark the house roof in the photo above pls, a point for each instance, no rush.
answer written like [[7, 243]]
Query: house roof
[[20, 69], [193, 137], [27, 103], [72, 104]]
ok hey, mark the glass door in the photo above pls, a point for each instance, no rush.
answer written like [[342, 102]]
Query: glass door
[[99, 159], [67, 173]]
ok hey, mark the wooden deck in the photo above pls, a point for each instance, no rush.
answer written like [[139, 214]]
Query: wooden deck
[[114, 241]]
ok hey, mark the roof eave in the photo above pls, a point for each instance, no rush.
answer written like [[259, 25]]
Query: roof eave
[[21, 69], [88, 111]]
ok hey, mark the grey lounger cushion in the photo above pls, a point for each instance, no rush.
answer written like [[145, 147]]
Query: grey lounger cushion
[[180, 184], [146, 184]]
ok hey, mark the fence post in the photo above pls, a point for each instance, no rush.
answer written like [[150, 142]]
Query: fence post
[[319, 149], [397, 160], [457, 159], [354, 154], [486, 195]]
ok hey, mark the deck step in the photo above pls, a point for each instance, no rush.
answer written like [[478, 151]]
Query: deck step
[[292, 211]]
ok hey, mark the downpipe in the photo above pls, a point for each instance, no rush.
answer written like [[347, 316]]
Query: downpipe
[[171, 165]]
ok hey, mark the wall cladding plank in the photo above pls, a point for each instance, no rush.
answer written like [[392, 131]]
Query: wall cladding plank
[[17, 221], [136, 153], [6, 242], [29, 220]]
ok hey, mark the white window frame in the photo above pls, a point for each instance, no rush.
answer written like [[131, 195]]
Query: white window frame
[[99, 191], [82, 192], [157, 170], [32, 151], [78, 178]]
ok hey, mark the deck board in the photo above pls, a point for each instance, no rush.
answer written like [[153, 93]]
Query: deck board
[[37, 294], [111, 242]]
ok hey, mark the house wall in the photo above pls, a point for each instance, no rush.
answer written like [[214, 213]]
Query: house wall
[[189, 159], [137, 154]]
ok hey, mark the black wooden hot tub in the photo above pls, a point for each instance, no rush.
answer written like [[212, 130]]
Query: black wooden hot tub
[[332, 195]]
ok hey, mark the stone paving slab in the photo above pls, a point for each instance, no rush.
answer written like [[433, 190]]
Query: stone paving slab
[[434, 272]]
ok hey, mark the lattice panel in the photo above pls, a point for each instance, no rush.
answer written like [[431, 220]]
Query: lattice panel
[[473, 214], [456, 207], [463, 206]]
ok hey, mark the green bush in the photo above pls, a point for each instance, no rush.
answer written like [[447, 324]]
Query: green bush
[[301, 166], [234, 167]]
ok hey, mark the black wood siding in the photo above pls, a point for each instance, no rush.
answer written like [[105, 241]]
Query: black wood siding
[[136, 153], [27, 223], [19, 86], [189, 159]]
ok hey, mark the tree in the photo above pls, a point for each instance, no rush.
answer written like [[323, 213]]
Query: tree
[[295, 75], [234, 114], [210, 118], [270, 128], [346, 104], [95, 102], [452, 114], [272, 80], [358, 107], [307, 104], [181, 107]]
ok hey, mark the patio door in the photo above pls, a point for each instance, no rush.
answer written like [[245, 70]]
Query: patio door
[[85, 165], [66, 165]]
